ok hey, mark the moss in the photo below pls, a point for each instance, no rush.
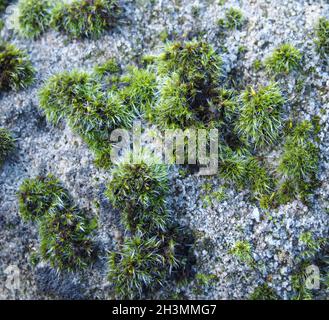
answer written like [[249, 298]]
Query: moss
[[139, 90], [300, 157], [86, 18], [264, 292], [242, 250], [138, 266], [34, 17], [79, 98], [110, 68], [7, 144], [3, 5], [64, 231], [16, 71], [39, 196], [284, 59], [139, 191], [260, 115], [322, 34], [189, 76], [65, 239], [234, 19], [298, 164]]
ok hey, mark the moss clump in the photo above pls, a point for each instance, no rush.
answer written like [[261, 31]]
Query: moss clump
[[7, 144], [322, 33], [65, 239], [3, 5], [139, 191], [299, 161], [65, 233], [264, 292], [189, 77], [153, 248], [39, 196], [85, 18], [284, 59], [109, 68], [34, 17], [91, 112], [139, 89], [234, 20], [140, 265], [260, 120], [16, 71]]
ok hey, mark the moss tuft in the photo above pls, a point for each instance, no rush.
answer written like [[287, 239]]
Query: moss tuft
[[189, 78], [260, 120], [34, 17], [322, 33], [7, 144], [85, 18], [284, 59], [64, 231], [139, 191], [91, 112], [264, 292], [16, 71], [39, 196]]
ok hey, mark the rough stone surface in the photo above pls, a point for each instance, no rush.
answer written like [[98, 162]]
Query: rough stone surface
[[42, 148]]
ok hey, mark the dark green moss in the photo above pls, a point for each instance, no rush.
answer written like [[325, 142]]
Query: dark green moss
[[34, 17], [322, 33], [139, 266], [7, 144], [16, 71], [66, 239], [86, 18], [139, 191], [264, 292], [40, 196], [64, 231], [234, 19], [190, 75], [3, 5], [93, 113], [260, 114], [284, 59]]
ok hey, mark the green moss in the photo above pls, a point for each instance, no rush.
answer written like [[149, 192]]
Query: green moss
[[139, 90], [298, 165], [300, 157], [16, 71], [7, 144], [66, 239], [139, 266], [86, 18], [234, 19], [79, 98], [40, 196], [34, 17], [242, 250], [3, 5], [189, 76], [322, 33], [284, 59], [260, 115], [139, 191], [264, 292], [109, 68], [64, 231]]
